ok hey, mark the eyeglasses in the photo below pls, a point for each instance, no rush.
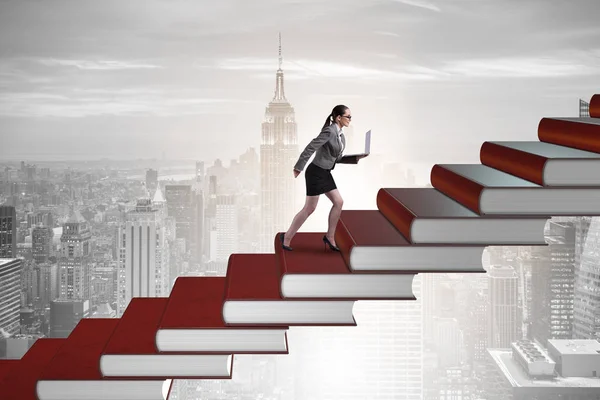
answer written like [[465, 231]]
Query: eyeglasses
[[347, 116]]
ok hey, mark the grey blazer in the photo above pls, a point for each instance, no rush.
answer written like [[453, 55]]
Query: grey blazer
[[327, 147]]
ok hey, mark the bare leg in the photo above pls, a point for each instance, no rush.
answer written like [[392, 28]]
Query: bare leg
[[334, 215], [309, 207]]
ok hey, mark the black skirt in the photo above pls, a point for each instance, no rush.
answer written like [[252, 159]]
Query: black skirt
[[318, 180]]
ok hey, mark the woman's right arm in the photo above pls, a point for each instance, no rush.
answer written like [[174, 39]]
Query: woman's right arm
[[312, 147]]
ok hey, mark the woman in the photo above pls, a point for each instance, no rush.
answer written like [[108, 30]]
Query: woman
[[329, 145]]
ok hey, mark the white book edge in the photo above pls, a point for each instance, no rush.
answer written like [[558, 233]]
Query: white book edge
[[347, 285], [224, 340], [158, 365], [421, 258], [288, 312], [103, 389], [540, 201], [509, 231]]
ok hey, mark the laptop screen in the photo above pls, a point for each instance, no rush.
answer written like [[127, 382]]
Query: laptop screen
[[368, 142]]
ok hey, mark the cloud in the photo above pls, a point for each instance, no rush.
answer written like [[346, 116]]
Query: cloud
[[386, 33], [96, 65], [419, 3], [314, 69], [82, 102], [565, 65]]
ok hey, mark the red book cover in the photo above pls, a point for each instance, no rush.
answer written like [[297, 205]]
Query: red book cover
[[6, 366], [365, 228], [257, 277], [513, 161], [393, 210], [595, 106], [578, 133], [309, 256], [458, 187], [79, 358], [20, 382], [252, 277], [136, 330], [197, 303]]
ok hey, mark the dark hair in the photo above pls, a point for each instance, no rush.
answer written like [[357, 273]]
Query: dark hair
[[340, 109]]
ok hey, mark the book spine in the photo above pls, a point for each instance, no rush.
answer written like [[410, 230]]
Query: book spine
[[595, 106], [457, 187], [512, 161], [345, 241], [395, 212], [576, 135], [227, 280]]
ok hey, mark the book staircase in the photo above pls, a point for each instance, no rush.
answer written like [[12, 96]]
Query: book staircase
[[194, 333]]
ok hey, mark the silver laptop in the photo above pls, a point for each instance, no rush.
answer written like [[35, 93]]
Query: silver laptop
[[367, 146]]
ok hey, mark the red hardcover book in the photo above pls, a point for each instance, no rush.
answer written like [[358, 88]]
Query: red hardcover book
[[427, 216], [6, 366], [488, 191], [545, 164], [465, 191], [369, 242], [131, 351], [253, 297], [74, 372], [312, 271], [193, 321], [513, 161], [579, 133], [595, 106], [19, 382]]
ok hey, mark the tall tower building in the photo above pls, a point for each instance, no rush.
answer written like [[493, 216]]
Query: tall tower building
[[8, 232], [227, 226], [41, 243], [553, 278], [74, 259], [10, 293], [586, 307], [278, 153], [151, 180], [143, 269], [181, 206], [502, 307], [584, 108]]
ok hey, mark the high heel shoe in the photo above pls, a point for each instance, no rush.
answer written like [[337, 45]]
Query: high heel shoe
[[327, 242], [288, 248]]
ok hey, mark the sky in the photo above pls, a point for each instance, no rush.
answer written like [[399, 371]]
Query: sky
[[433, 79]]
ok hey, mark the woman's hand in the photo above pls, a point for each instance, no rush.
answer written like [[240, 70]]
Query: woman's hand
[[296, 173]]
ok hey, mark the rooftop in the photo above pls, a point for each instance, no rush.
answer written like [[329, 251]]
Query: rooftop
[[518, 378], [576, 346]]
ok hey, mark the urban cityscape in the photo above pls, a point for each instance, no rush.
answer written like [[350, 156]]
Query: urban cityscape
[[526, 329]]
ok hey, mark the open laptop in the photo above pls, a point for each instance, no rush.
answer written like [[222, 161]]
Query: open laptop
[[367, 146]]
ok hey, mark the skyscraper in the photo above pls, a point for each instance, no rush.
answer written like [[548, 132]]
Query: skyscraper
[[8, 232], [180, 205], [553, 278], [278, 153], [584, 108], [143, 269], [227, 226], [586, 307], [10, 293], [502, 308], [151, 180], [41, 243], [74, 259]]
